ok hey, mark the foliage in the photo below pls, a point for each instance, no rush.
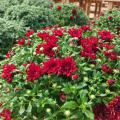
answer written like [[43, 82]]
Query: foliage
[[110, 20], [68, 14], [61, 73], [9, 31]]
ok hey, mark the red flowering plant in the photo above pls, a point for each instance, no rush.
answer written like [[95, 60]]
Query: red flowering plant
[[65, 73], [68, 14], [110, 20]]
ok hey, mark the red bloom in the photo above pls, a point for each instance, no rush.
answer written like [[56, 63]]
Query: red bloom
[[101, 112], [106, 35], [21, 42], [74, 11], [47, 49], [114, 105], [71, 17], [86, 28], [6, 114], [67, 66], [75, 77], [29, 33], [33, 71], [90, 47], [9, 54], [7, 72], [106, 68], [110, 82], [51, 66], [48, 38], [107, 46], [111, 55], [75, 32], [62, 96], [110, 18], [59, 8], [58, 32]]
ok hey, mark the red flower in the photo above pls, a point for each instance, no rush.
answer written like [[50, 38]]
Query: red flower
[[75, 77], [47, 49], [9, 54], [75, 32], [29, 33], [67, 66], [51, 66], [111, 55], [101, 112], [7, 72], [86, 28], [110, 82], [58, 32], [110, 18], [48, 38], [33, 71], [59, 8], [106, 68], [90, 47], [62, 96], [114, 105], [106, 35], [107, 46], [71, 17], [21, 42], [6, 114], [74, 11]]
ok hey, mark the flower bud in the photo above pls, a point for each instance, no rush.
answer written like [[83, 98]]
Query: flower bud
[[54, 85], [48, 110], [92, 97], [116, 71], [107, 91], [75, 77], [85, 79], [110, 82], [67, 113]]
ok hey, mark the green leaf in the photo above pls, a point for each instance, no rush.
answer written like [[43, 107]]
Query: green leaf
[[89, 114], [83, 95], [70, 105], [22, 110], [29, 109]]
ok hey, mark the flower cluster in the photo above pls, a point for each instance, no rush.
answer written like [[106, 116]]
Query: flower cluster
[[33, 71], [108, 112], [90, 47], [6, 114], [106, 35], [7, 72]]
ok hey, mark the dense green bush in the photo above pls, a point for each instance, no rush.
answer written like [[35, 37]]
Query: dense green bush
[[109, 20], [32, 16], [68, 14], [18, 15], [9, 31], [61, 74]]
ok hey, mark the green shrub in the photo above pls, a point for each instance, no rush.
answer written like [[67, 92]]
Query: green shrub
[[62, 74], [9, 32], [68, 14], [32, 16], [110, 20]]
